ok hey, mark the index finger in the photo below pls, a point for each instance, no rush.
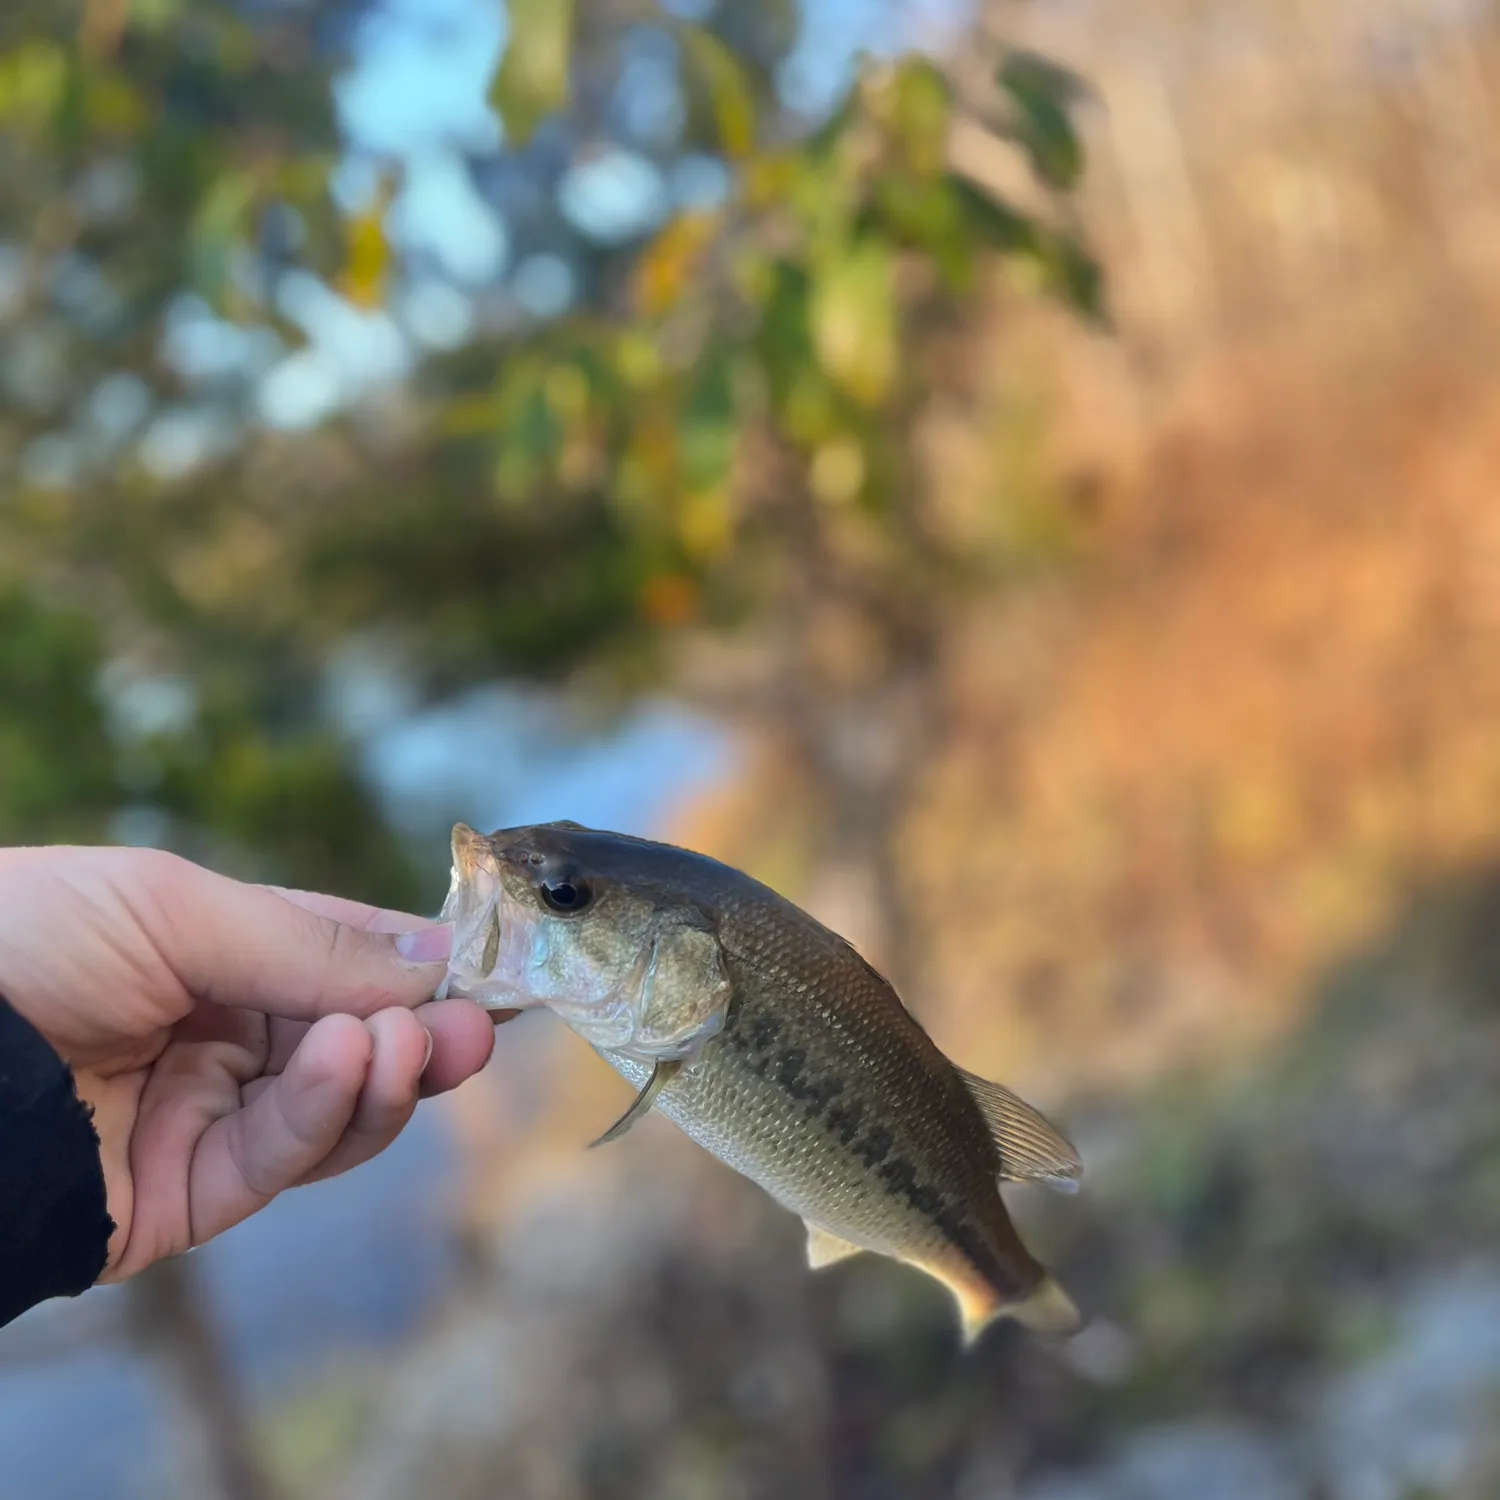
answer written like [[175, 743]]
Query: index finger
[[353, 913], [248, 947]]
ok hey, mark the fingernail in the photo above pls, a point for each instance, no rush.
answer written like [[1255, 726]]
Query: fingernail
[[427, 1055], [427, 945]]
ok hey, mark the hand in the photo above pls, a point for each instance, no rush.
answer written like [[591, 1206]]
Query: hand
[[234, 1040]]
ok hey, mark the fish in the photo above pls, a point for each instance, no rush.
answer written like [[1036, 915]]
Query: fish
[[771, 1042]]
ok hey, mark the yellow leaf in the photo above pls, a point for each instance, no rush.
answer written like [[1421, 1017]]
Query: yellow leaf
[[769, 180], [464, 416], [33, 79], [714, 75], [368, 255], [115, 106], [837, 470], [637, 359], [665, 269], [705, 523], [536, 72], [568, 392], [853, 313]]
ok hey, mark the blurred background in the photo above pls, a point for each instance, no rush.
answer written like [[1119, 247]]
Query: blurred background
[[1016, 475]]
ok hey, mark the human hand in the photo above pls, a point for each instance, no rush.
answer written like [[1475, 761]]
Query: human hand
[[233, 1040]]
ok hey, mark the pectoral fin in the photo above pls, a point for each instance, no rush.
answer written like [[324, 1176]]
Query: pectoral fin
[[1031, 1148], [661, 1075], [825, 1249]]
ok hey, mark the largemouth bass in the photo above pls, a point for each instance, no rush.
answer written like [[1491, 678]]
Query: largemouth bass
[[772, 1043]]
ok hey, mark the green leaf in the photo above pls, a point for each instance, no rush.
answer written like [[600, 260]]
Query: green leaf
[[922, 105], [220, 226], [995, 223], [783, 338], [1041, 92], [33, 81], [527, 429], [1066, 269], [928, 215], [708, 426], [154, 15], [1074, 274], [59, 766], [718, 89], [853, 314], [535, 74]]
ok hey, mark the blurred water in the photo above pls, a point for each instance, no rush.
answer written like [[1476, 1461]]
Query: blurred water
[[356, 1263]]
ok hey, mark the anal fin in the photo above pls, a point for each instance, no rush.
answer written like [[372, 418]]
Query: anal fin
[[826, 1249]]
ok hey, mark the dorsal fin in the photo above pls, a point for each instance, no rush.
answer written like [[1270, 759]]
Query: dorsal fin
[[1031, 1149]]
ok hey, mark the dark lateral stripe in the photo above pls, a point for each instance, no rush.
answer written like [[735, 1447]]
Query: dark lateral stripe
[[966, 1238], [844, 1119], [827, 1097], [901, 1178], [762, 1032], [875, 1146]]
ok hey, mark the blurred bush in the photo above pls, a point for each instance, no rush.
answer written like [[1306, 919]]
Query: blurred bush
[[716, 432]]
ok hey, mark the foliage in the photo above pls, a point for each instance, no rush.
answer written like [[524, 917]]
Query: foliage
[[718, 432], [86, 758], [60, 779]]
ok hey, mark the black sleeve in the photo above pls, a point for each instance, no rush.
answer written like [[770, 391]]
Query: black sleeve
[[54, 1230]]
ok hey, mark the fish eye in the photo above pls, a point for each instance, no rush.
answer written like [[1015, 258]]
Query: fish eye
[[567, 896]]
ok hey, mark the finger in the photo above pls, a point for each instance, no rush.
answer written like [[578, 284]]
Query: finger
[[463, 1036], [283, 1037], [351, 913], [240, 1038], [246, 946], [462, 1040], [389, 1096], [244, 1159], [287, 1035]]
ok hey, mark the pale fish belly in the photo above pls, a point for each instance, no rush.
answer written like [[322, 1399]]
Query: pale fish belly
[[748, 1121]]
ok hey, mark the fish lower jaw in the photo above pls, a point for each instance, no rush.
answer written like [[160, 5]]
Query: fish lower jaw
[[501, 1002], [485, 993]]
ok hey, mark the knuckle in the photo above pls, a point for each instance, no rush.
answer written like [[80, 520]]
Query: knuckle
[[259, 1176], [158, 873]]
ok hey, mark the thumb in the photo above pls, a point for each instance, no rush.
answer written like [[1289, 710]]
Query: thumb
[[248, 947]]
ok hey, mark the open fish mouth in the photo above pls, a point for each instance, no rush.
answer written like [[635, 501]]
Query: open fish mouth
[[477, 907]]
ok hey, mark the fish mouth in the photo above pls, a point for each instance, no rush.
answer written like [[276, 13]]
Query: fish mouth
[[476, 906], [471, 851]]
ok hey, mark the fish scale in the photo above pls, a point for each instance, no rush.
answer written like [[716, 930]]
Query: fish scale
[[816, 1083]]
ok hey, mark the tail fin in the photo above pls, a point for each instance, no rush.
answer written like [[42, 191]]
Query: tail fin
[[1046, 1310]]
